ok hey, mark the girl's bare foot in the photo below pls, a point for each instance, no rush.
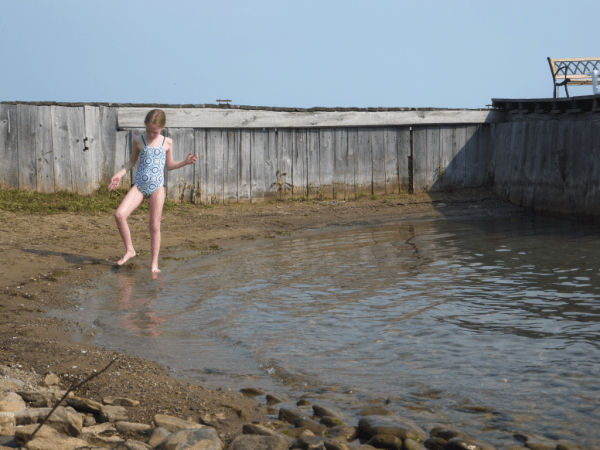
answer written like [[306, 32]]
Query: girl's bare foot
[[125, 258], [155, 269]]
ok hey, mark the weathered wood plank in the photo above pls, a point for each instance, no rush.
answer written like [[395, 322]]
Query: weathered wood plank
[[122, 155], [217, 143], [43, 150], [576, 164], [392, 180], [420, 154], [9, 156], [459, 160], [107, 137], [352, 190], [82, 162], [95, 155], [378, 154], [364, 163], [434, 168], [340, 165], [284, 162], [592, 196], [473, 158], [445, 180], [239, 118], [27, 124], [326, 156], [62, 148], [181, 181], [231, 155], [260, 149], [244, 166], [313, 162], [404, 152], [299, 173], [199, 193]]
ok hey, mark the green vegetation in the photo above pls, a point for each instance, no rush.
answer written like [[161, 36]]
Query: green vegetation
[[101, 201]]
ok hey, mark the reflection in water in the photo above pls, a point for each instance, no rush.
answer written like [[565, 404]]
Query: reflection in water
[[490, 325], [139, 316]]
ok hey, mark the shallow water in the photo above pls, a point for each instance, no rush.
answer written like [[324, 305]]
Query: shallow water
[[490, 325]]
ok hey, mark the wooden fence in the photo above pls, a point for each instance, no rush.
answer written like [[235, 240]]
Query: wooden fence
[[79, 148]]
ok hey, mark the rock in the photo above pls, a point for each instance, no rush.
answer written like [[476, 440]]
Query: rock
[[42, 396], [446, 433], [271, 400], [387, 441], [321, 411], [409, 444], [158, 434], [110, 413], [335, 445], [311, 425], [64, 420], [136, 445], [260, 430], [174, 424], [345, 432], [392, 425], [120, 401], [84, 404], [97, 430], [435, 443], [7, 419], [251, 392], [307, 440], [253, 442], [536, 442], [89, 421], [132, 427], [196, 439], [103, 441], [11, 402], [290, 415], [50, 380], [330, 422], [375, 411], [10, 384], [469, 443], [47, 438], [302, 402]]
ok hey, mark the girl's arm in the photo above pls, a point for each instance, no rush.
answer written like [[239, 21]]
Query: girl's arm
[[172, 165], [116, 179]]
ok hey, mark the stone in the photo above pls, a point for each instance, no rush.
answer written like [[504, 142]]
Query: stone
[[536, 442], [335, 445], [251, 392], [302, 402], [331, 422], [375, 411], [130, 444], [345, 432], [158, 434], [392, 425], [12, 402], [47, 438], [44, 396], [7, 419], [257, 429], [386, 441], [271, 400], [64, 420], [196, 439], [84, 404], [469, 443], [132, 427], [10, 384], [120, 401], [174, 424], [89, 421], [110, 413], [23, 433], [254, 442], [446, 433], [311, 425], [291, 415], [103, 441], [321, 411], [97, 430], [50, 380], [409, 444], [307, 440], [435, 443]]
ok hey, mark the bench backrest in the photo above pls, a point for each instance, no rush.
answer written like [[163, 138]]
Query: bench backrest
[[576, 69]]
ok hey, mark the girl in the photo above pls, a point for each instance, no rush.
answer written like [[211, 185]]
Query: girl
[[155, 151]]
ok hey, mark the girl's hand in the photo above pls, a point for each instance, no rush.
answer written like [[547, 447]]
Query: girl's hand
[[114, 183], [191, 159]]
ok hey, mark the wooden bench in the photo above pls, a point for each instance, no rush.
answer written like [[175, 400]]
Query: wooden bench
[[575, 71]]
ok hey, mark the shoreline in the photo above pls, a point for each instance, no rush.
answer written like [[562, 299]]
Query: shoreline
[[50, 256]]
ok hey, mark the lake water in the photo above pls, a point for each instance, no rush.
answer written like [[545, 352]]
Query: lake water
[[488, 323]]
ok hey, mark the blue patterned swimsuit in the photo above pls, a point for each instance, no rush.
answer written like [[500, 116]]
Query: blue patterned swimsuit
[[150, 173]]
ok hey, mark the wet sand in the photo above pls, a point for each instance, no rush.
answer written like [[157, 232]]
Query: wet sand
[[45, 258]]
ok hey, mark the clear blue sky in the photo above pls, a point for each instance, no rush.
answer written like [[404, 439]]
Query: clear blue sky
[[425, 53]]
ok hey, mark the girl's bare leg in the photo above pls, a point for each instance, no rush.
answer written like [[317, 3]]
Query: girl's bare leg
[[157, 200], [132, 200]]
